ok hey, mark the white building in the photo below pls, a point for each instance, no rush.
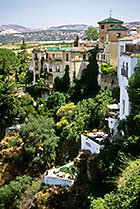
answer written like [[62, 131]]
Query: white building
[[55, 176], [128, 51], [94, 142]]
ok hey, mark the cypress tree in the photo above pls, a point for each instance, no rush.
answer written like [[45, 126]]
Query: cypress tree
[[88, 80]]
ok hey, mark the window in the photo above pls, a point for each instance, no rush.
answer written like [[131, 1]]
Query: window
[[45, 68], [126, 71], [84, 56], [118, 35], [123, 106], [121, 49], [67, 57], [46, 55], [111, 25], [53, 56], [57, 68], [50, 69], [122, 70], [102, 27], [88, 144], [35, 56], [102, 38], [103, 56]]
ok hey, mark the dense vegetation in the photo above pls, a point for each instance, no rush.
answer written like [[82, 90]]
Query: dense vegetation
[[50, 135]]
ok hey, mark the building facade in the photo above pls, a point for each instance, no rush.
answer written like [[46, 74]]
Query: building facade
[[53, 61], [128, 53], [110, 31]]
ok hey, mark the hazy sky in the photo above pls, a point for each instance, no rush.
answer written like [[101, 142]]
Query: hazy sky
[[44, 13]]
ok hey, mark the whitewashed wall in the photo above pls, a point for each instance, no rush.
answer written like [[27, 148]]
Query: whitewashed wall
[[88, 144], [49, 180], [122, 80]]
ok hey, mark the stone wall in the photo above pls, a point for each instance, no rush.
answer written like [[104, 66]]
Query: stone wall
[[107, 80]]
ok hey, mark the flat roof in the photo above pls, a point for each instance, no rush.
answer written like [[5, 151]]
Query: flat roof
[[67, 49]]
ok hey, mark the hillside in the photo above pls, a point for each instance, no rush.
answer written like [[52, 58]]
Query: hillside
[[14, 33], [11, 28], [132, 24]]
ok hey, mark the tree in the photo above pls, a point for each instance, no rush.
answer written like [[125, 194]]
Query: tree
[[40, 141], [65, 113], [24, 58], [91, 33], [66, 79], [9, 64], [55, 101], [134, 87], [26, 107], [127, 192], [23, 45], [107, 68], [9, 106], [10, 195], [88, 81], [76, 41], [63, 84]]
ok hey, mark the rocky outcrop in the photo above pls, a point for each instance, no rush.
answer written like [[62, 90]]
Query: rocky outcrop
[[8, 152], [107, 80]]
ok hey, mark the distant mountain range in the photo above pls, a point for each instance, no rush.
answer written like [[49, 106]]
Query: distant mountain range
[[8, 29], [11, 28], [75, 27], [132, 24]]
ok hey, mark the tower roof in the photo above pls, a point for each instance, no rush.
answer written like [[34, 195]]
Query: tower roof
[[110, 20], [117, 27]]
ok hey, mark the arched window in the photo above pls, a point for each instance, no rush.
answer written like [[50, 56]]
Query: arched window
[[57, 68], [45, 68], [50, 69]]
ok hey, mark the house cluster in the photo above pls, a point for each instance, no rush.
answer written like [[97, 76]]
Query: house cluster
[[120, 47]]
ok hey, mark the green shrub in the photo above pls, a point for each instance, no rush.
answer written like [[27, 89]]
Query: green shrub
[[127, 195], [14, 141], [97, 204], [107, 68]]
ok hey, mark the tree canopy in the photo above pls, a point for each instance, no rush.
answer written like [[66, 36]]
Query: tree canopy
[[91, 33], [40, 141], [9, 64]]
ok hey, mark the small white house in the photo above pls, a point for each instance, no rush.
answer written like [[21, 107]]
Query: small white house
[[56, 177], [92, 142]]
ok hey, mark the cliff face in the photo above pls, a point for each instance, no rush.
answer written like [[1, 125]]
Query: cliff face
[[107, 80], [8, 152]]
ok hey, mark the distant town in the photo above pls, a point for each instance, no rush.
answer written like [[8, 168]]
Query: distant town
[[15, 33]]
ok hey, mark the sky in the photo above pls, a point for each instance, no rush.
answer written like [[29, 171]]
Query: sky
[[46, 13]]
